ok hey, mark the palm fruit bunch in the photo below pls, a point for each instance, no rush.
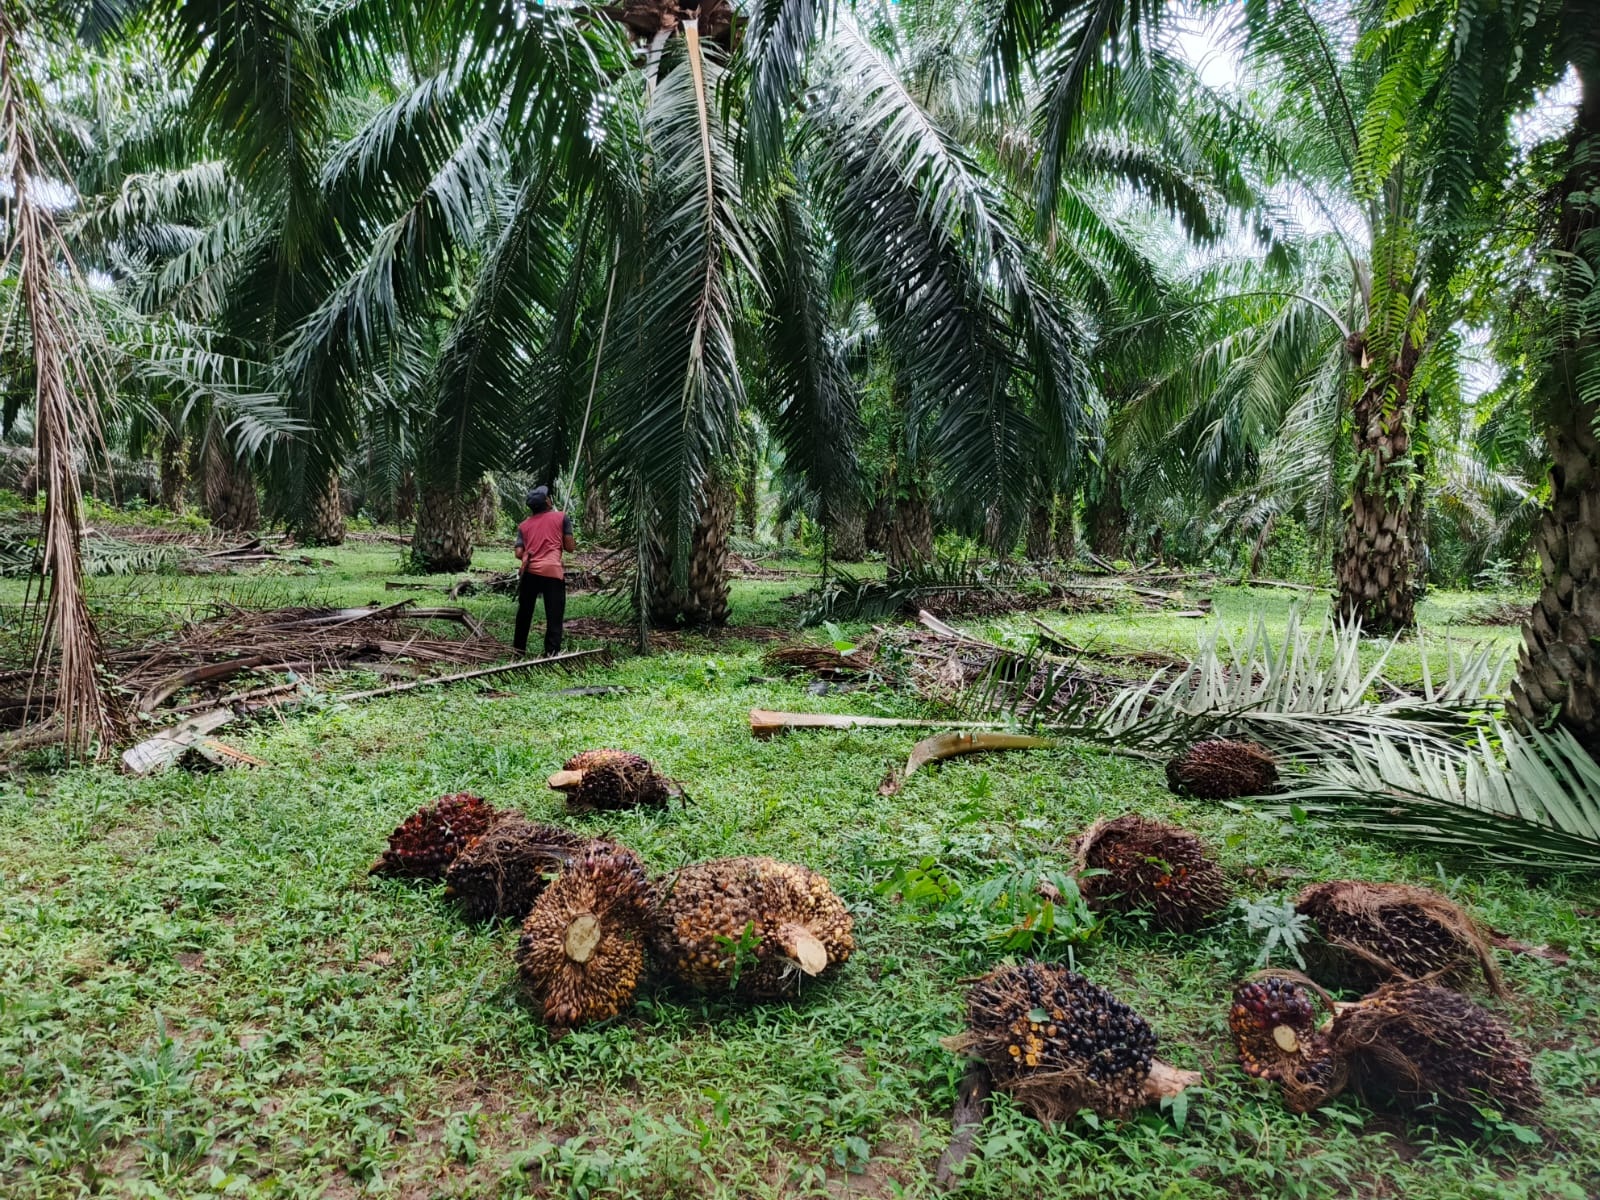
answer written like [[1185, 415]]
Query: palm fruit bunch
[[1274, 1023], [502, 872], [1058, 1043], [427, 841], [582, 947], [1374, 933], [1149, 866], [753, 926], [602, 780], [1427, 1047], [1222, 769]]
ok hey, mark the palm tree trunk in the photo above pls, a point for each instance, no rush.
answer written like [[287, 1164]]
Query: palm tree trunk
[[1040, 545], [875, 529], [847, 529], [174, 470], [596, 509], [707, 600], [322, 523], [909, 536], [446, 523], [1066, 529], [227, 488], [1372, 567], [1558, 671], [1107, 519], [703, 600]]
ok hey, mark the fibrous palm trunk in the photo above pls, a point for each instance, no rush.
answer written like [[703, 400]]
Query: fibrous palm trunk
[[875, 529], [1372, 567], [1066, 530], [1107, 520], [596, 509], [847, 528], [174, 470], [1558, 671], [909, 537], [227, 488], [322, 521], [446, 524], [1040, 545], [703, 600]]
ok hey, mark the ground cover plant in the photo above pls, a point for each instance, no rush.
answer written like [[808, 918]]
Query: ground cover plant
[[204, 992]]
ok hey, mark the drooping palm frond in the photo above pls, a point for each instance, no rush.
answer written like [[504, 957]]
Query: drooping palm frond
[[678, 388], [1533, 804]]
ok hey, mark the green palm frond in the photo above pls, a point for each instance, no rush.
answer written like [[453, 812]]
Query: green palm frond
[[1533, 804], [1299, 692], [678, 389]]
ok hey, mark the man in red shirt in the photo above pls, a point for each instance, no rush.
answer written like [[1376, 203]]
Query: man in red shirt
[[541, 539]]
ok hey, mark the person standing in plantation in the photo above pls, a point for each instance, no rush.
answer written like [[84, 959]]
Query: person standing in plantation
[[541, 540]]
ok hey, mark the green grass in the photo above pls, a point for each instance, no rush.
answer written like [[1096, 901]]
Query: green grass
[[202, 992]]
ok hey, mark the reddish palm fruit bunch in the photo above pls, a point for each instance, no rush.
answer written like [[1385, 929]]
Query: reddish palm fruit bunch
[[1134, 864], [1058, 1043], [604, 780], [1274, 1025], [427, 841], [1220, 769], [582, 947], [1430, 1049], [1375, 933], [502, 872], [754, 926]]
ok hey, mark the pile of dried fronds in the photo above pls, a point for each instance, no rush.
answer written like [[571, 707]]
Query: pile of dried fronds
[[191, 668]]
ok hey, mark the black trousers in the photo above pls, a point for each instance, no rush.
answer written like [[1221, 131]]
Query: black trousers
[[554, 591]]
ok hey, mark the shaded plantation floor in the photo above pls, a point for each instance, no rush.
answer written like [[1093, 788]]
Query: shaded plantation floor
[[201, 991]]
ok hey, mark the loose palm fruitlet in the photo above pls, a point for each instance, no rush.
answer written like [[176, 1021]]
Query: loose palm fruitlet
[[1149, 866], [1274, 1025], [427, 841], [502, 872], [1431, 1049], [582, 946], [753, 926], [1058, 1043], [1220, 769], [601, 780], [1375, 933]]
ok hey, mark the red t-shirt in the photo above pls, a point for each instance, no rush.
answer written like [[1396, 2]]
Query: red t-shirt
[[539, 543]]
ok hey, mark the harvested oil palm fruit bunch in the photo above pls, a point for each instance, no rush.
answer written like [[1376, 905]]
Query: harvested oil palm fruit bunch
[[754, 926], [601, 780], [1429, 1048], [1058, 1043], [1375, 933], [1220, 769], [1274, 1023], [427, 841], [582, 946], [502, 872], [1134, 864]]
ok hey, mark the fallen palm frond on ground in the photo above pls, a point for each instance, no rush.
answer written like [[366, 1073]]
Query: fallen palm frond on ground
[[194, 668], [1528, 800], [1286, 691]]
